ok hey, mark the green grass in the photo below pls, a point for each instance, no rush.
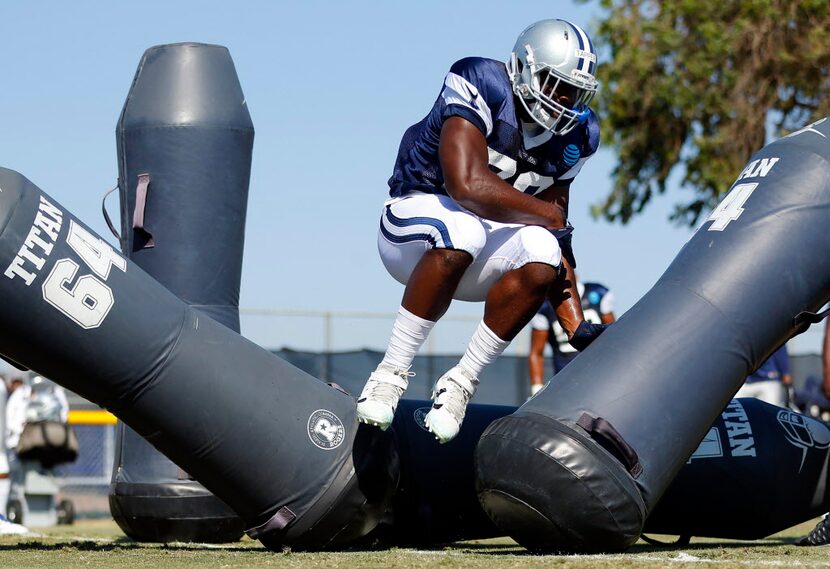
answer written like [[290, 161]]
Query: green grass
[[101, 544]]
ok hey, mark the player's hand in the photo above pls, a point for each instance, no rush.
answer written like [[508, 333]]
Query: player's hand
[[585, 334]]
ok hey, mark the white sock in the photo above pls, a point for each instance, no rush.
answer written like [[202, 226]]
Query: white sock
[[483, 350], [535, 387], [408, 335], [5, 487]]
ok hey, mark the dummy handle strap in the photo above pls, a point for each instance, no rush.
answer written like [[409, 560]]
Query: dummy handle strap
[[182, 475], [803, 320], [611, 440], [138, 214], [107, 215], [277, 522], [338, 388], [140, 200]]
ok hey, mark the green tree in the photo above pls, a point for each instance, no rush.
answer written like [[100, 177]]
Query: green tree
[[700, 85]]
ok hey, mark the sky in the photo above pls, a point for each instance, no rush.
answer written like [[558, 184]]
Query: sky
[[330, 86]]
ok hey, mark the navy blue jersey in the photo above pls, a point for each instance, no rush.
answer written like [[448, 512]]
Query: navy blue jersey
[[776, 366], [596, 301], [479, 90]]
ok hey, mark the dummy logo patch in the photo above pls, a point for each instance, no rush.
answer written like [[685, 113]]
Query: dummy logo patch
[[325, 429], [420, 415], [804, 433]]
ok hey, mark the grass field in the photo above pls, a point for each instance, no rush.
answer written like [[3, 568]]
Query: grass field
[[101, 544]]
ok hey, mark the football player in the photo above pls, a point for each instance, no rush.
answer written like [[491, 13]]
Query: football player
[[771, 380], [597, 307], [478, 211]]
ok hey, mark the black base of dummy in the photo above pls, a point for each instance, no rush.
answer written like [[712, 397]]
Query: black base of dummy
[[583, 502], [143, 516]]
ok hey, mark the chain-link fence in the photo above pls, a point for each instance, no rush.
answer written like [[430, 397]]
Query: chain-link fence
[[339, 331], [336, 331]]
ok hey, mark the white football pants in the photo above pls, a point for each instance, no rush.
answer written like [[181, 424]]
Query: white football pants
[[415, 223], [770, 391]]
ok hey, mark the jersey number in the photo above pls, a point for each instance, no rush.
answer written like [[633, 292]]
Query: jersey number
[[88, 300], [731, 207], [506, 167]]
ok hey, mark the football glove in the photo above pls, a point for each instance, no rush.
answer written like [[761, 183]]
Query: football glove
[[585, 334]]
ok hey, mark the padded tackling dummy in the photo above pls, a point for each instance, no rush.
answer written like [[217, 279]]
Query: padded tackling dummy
[[284, 452], [759, 470], [581, 465], [436, 501], [185, 139]]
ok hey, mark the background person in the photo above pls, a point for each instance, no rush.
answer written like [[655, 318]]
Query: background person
[[18, 402], [598, 308], [20, 393], [771, 380], [6, 462]]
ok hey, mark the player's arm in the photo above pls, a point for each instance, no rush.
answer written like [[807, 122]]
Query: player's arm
[[462, 151], [564, 296], [536, 357]]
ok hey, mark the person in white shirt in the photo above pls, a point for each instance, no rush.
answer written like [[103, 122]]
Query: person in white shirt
[[18, 402], [6, 527]]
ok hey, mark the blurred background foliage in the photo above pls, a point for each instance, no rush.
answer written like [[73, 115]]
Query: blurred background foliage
[[694, 87]]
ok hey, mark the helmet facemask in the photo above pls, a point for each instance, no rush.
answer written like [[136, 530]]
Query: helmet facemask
[[540, 88]]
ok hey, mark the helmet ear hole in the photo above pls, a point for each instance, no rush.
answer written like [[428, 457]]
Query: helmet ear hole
[[519, 65]]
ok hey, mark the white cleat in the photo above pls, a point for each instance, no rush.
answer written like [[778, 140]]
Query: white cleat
[[450, 396], [379, 398], [9, 528]]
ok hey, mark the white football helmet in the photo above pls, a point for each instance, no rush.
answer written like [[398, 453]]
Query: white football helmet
[[552, 71]]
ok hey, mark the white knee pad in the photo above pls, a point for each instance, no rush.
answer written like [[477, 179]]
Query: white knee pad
[[537, 245], [468, 233], [508, 247]]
